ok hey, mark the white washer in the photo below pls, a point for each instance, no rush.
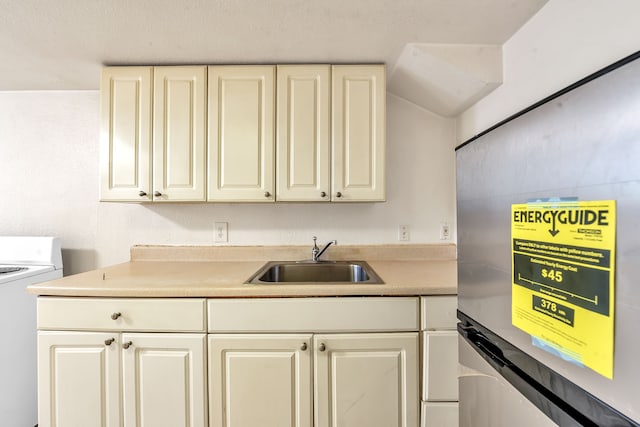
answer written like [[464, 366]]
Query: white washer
[[35, 260]]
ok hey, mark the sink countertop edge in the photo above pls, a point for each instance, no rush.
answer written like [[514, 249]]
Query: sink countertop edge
[[226, 279]]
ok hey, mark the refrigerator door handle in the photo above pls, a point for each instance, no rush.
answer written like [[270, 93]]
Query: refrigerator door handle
[[559, 411], [489, 351]]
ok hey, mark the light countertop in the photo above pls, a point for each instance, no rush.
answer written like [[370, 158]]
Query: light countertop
[[200, 271]]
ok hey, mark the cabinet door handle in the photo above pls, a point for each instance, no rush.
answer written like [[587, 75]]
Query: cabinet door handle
[[303, 347], [338, 194], [267, 194], [157, 194], [323, 194], [322, 347], [127, 345], [142, 193], [115, 316], [109, 341]]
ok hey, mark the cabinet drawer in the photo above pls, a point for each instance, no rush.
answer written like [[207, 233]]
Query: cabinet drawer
[[440, 365], [115, 314], [369, 314], [439, 414], [438, 312]]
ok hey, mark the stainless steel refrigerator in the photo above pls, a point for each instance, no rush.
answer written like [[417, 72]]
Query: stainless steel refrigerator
[[576, 151]]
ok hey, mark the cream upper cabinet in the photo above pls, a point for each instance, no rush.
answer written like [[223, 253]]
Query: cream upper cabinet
[[331, 133], [245, 133], [303, 133], [358, 133], [153, 134], [260, 380], [179, 133], [366, 380], [125, 133], [241, 134], [78, 380]]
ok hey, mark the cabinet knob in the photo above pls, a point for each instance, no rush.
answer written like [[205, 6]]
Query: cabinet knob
[[115, 316], [127, 345], [157, 193], [338, 194], [323, 194], [303, 347], [109, 341], [267, 194], [142, 193], [322, 347]]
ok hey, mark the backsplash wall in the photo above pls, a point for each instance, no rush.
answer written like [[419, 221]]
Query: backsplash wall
[[49, 186]]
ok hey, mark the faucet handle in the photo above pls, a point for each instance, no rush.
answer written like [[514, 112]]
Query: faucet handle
[[317, 252], [315, 249]]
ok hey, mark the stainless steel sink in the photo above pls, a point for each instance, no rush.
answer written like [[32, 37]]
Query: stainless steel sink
[[325, 272]]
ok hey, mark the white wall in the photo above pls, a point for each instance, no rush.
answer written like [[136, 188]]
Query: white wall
[[49, 185], [49, 155], [564, 42]]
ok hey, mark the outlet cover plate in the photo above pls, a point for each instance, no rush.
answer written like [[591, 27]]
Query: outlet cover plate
[[221, 232], [403, 233]]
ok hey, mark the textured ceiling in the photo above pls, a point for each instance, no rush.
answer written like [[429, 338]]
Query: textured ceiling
[[61, 44]]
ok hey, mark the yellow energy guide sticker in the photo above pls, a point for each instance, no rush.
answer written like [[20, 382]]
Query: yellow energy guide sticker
[[563, 278]]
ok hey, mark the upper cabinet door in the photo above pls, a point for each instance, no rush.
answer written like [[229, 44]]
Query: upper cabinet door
[[358, 134], [125, 134], [179, 144], [303, 132], [241, 133]]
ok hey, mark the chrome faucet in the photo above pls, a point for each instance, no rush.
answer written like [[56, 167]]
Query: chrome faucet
[[316, 252]]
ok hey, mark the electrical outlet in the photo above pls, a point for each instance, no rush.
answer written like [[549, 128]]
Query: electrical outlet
[[221, 230], [403, 233], [445, 232]]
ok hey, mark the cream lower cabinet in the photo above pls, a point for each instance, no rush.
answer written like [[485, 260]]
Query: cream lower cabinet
[[366, 380], [321, 362], [439, 362], [358, 380], [78, 380], [260, 380], [164, 380], [233, 362], [95, 369]]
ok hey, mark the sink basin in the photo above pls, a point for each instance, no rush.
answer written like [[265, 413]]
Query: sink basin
[[325, 272]]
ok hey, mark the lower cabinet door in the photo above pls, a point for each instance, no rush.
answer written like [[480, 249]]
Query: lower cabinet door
[[366, 380], [78, 379], [164, 380], [440, 361], [439, 414], [260, 380]]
